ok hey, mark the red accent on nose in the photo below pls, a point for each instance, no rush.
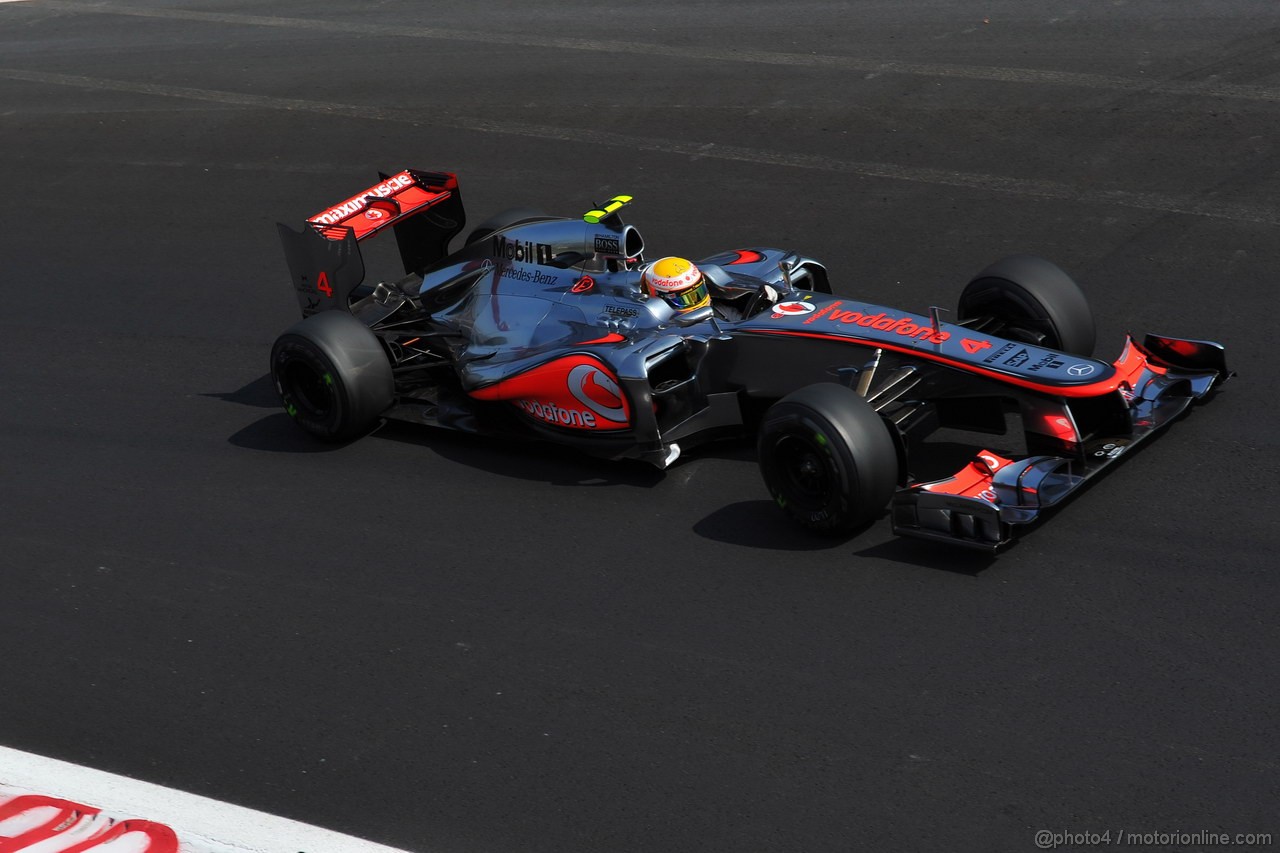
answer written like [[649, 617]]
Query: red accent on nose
[[611, 338], [1060, 427]]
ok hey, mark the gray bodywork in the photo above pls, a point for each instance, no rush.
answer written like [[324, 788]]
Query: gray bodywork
[[508, 333]]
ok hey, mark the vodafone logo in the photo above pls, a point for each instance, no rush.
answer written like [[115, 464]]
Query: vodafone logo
[[576, 391], [908, 327], [375, 213], [596, 390], [559, 415], [792, 309]]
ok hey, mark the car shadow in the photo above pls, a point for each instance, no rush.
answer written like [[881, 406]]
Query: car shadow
[[760, 524], [522, 460], [279, 434], [276, 432], [750, 523], [939, 556], [260, 393], [531, 460]]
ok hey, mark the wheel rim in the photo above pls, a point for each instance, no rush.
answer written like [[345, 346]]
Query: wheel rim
[[805, 477], [1020, 320], [1032, 330], [311, 390]]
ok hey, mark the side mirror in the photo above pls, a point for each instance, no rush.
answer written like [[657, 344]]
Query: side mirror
[[690, 318]]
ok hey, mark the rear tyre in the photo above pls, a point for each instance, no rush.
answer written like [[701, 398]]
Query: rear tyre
[[1034, 301], [332, 375], [827, 458], [505, 219]]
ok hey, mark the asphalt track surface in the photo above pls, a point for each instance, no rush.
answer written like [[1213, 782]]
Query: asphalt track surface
[[443, 644]]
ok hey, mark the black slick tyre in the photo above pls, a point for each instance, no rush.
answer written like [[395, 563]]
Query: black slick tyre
[[332, 375], [827, 458], [1034, 301]]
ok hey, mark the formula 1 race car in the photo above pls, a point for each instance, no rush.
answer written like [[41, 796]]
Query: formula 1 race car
[[538, 326]]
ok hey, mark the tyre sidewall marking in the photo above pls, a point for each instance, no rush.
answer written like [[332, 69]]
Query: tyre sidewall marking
[[804, 427], [300, 349]]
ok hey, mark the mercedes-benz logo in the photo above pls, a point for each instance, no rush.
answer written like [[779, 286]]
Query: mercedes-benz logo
[[1080, 369]]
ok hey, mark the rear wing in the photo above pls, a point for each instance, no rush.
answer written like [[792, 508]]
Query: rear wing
[[324, 257]]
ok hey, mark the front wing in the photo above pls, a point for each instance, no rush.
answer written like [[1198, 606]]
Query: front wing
[[983, 504]]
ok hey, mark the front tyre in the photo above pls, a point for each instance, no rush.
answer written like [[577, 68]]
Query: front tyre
[[332, 375], [827, 458], [1033, 301]]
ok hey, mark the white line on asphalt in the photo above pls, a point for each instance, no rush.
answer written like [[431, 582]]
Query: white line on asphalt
[[201, 824], [700, 52], [1160, 203]]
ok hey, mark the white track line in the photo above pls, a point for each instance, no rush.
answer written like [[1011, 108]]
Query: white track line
[[1209, 207], [201, 824], [701, 52]]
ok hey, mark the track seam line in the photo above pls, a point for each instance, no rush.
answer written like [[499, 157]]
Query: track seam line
[[703, 53], [1157, 202]]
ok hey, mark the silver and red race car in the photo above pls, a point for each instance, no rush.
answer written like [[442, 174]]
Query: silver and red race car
[[539, 326]]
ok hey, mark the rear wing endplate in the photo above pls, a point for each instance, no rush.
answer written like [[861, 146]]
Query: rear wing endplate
[[324, 257]]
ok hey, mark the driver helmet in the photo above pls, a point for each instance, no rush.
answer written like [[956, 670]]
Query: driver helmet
[[679, 282]]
